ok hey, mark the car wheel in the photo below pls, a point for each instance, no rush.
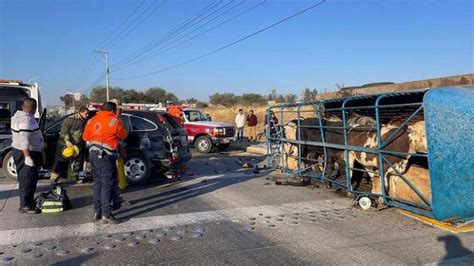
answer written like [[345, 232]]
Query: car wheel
[[203, 144], [9, 165], [223, 147], [137, 168]]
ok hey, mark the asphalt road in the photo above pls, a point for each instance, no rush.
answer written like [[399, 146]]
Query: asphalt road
[[221, 213]]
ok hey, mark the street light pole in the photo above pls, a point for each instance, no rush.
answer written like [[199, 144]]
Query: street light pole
[[107, 71]]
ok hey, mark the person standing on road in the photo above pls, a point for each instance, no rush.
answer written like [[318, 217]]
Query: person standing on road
[[252, 122], [70, 135], [240, 123], [27, 143], [103, 134]]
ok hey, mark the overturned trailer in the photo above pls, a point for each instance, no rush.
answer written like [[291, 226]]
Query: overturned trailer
[[413, 149]]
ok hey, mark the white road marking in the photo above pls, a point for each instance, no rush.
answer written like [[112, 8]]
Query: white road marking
[[28, 235]]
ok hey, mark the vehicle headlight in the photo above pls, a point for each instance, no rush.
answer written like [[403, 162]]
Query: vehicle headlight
[[219, 130]]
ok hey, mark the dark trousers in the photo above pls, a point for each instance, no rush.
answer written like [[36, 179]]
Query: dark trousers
[[104, 173], [68, 167], [27, 176], [240, 133]]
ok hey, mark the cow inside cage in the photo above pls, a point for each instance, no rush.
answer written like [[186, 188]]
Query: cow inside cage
[[411, 150], [352, 142]]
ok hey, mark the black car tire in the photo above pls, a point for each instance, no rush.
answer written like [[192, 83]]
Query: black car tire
[[9, 166], [223, 146], [137, 168], [203, 144]]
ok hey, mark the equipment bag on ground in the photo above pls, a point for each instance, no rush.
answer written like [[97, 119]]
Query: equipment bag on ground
[[53, 201]]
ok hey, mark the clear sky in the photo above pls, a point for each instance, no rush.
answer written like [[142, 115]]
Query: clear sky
[[341, 41]]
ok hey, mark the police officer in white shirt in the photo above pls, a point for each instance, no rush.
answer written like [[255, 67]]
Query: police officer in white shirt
[[27, 142]]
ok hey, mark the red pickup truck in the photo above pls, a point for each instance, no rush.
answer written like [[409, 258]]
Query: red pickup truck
[[205, 135]]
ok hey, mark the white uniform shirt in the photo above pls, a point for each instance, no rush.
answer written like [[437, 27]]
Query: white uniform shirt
[[26, 133]]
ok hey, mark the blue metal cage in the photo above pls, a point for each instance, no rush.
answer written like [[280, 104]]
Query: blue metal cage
[[448, 157], [449, 114]]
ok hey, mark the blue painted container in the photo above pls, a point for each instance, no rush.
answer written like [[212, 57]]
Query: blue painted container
[[449, 117]]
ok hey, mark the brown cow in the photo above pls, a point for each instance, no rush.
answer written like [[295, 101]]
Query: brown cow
[[290, 151], [410, 139], [397, 188]]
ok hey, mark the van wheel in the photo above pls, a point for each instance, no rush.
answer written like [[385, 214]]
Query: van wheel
[[9, 166], [203, 144], [137, 168]]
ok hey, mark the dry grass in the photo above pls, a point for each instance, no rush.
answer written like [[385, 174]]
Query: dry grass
[[227, 115]]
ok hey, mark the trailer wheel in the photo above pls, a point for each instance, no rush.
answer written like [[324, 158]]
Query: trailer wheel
[[365, 203]]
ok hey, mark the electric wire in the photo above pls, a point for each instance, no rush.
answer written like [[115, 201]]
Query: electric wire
[[132, 27], [120, 34], [169, 34], [163, 46], [165, 49], [187, 33], [92, 59], [227, 45]]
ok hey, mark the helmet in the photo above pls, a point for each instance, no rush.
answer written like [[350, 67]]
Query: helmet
[[70, 152]]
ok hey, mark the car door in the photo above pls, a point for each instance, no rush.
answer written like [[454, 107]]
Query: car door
[[51, 137]]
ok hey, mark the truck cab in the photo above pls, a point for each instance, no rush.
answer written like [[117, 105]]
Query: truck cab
[[204, 134]]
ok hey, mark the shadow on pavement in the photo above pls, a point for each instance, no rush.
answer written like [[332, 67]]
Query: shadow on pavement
[[79, 260], [208, 163], [454, 247], [15, 192], [154, 202]]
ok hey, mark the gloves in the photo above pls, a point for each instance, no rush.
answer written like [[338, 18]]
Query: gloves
[[68, 143], [29, 161]]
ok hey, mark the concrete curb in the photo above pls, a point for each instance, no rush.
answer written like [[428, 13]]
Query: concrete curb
[[257, 149]]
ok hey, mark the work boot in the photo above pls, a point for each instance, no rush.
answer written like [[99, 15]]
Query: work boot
[[97, 216], [54, 178], [110, 219], [29, 210]]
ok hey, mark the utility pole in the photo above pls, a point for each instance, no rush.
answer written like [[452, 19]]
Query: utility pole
[[106, 55]]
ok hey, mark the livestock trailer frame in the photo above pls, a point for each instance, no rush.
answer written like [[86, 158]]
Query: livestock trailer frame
[[409, 107]]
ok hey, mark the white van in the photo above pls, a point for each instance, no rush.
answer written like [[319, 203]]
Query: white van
[[13, 92]]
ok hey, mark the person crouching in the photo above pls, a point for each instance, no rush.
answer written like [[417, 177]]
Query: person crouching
[[70, 136]]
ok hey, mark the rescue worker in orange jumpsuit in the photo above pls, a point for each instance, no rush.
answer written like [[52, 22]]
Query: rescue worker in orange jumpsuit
[[103, 134]]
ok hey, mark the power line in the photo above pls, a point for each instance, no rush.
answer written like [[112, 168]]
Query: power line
[[227, 45], [189, 32], [92, 59], [106, 40], [132, 27], [126, 30], [97, 81], [164, 45], [85, 72], [161, 51], [170, 33]]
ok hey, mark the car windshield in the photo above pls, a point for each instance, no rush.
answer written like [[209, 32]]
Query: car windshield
[[193, 116]]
